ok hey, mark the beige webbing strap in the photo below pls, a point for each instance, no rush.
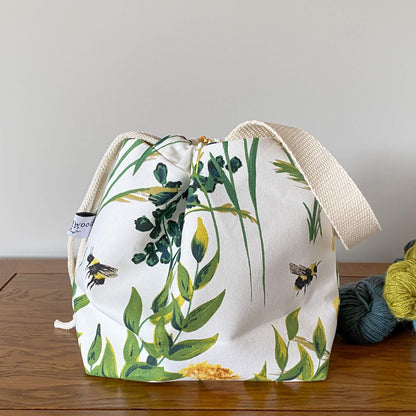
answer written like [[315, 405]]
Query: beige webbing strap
[[345, 206], [95, 191]]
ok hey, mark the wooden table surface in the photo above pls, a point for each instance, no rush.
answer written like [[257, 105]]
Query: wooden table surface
[[41, 371]]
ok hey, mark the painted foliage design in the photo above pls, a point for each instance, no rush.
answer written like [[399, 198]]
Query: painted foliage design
[[304, 368], [313, 213], [222, 170], [171, 316]]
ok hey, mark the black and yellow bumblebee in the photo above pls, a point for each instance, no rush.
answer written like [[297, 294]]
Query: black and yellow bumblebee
[[98, 272], [305, 275]]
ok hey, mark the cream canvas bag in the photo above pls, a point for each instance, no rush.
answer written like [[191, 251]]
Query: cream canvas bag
[[213, 259]]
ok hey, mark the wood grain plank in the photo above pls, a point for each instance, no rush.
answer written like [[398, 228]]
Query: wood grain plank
[[6, 280], [33, 265], [7, 271], [361, 270], [9, 267], [105, 412], [40, 368]]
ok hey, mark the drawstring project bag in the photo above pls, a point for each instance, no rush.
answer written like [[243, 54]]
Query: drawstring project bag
[[213, 259]]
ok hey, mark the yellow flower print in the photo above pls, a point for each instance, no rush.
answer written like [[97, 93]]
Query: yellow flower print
[[204, 140], [199, 242], [205, 371]]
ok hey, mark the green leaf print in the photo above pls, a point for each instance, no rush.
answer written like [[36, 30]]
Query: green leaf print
[[232, 194], [177, 317], [186, 350], [162, 340], [152, 258], [175, 229], [151, 361], [307, 370], [319, 339], [235, 164], [294, 372], [163, 297], [161, 173], [225, 208], [202, 314], [304, 369], [163, 247], [80, 302], [139, 162], [133, 312], [167, 308], [314, 221], [292, 324], [185, 283], [145, 372], [150, 255], [166, 312], [165, 345], [131, 350], [108, 366], [252, 178], [281, 352], [144, 194], [321, 372], [291, 170], [133, 146], [205, 275], [314, 217], [147, 153], [207, 184], [143, 224], [138, 258], [166, 195], [151, 349], [95, 348], [262, 376]]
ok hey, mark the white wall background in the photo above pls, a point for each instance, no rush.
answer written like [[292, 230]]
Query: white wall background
[[74, 74]]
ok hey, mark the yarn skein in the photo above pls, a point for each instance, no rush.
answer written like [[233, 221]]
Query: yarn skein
[[369, 310], [400, 286], [400, 289], [364, 316]]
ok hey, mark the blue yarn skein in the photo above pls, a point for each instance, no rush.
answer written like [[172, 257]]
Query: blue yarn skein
[[364, 316]]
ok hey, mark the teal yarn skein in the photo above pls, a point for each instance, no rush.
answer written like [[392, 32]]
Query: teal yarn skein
[[364, 316]]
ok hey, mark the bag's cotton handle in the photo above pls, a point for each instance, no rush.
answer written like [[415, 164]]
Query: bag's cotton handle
[[95, 191], [344, 204]]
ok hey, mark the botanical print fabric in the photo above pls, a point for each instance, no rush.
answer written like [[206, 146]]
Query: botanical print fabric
[[209, 260]]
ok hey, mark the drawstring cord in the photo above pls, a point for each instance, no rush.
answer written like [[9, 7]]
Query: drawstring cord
[[64, 325]]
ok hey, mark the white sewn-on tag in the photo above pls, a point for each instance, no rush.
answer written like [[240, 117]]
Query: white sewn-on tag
[[81, 225]]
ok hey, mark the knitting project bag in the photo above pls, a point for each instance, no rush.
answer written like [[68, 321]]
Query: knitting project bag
[[213, 259]]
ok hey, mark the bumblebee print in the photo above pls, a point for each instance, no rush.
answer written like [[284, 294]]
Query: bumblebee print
[[305, 275], [98, 272]]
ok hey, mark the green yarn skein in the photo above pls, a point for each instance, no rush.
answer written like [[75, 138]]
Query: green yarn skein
[[400, 286]]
